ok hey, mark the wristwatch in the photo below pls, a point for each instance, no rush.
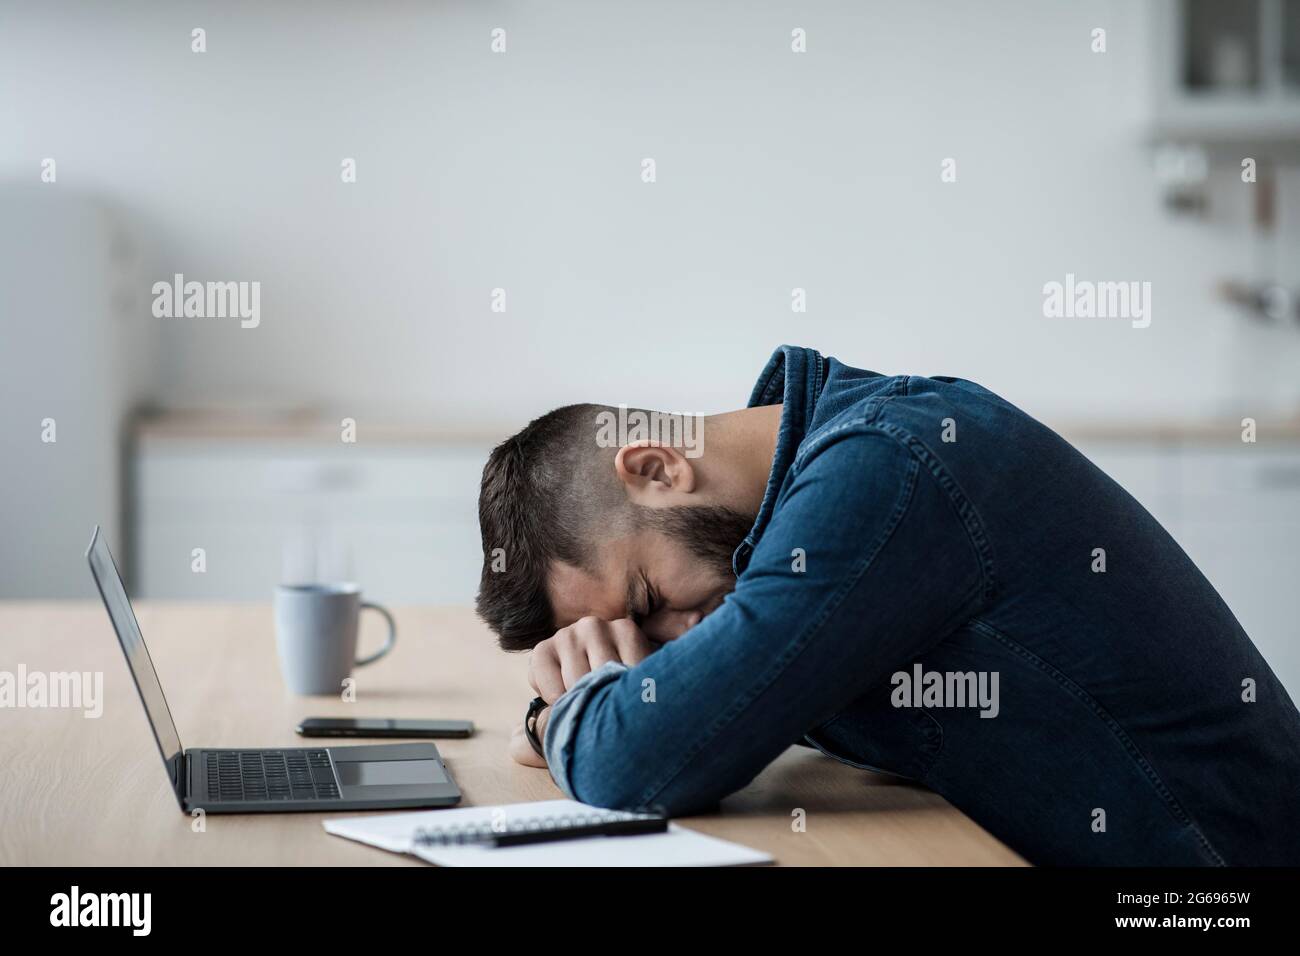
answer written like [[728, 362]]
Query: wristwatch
[[530, 724]]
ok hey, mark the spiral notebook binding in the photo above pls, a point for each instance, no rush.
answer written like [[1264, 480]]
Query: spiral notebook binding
[[454, 835]]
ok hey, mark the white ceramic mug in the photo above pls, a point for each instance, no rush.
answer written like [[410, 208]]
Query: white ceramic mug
[[316, 634]]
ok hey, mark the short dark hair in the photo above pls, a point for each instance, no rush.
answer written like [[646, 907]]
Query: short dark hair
[[550, 494], [542, 493]]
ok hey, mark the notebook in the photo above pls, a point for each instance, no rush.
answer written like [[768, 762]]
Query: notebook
[[679, 846]]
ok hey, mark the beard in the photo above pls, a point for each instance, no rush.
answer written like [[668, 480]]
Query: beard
[[709, 532]]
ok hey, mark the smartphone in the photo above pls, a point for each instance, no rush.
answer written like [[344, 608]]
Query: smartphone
[[381, 727]]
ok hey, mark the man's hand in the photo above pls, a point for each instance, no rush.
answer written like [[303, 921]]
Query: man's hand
[[521, 750], [558, 662]]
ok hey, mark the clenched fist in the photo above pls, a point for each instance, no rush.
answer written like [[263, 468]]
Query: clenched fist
[[560, 661]]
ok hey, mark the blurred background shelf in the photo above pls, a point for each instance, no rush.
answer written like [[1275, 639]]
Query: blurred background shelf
[[1229, 72]]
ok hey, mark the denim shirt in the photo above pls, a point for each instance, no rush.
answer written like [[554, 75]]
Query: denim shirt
[[914, 527]]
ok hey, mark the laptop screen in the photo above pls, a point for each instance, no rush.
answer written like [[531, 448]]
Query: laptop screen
[[137, 655]]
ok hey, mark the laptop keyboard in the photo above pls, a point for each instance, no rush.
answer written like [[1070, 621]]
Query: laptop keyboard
[[262, 775]]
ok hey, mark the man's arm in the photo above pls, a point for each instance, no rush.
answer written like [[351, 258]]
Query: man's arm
[[891, 568]]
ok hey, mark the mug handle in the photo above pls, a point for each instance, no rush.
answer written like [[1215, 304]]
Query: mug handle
[[392, 634]]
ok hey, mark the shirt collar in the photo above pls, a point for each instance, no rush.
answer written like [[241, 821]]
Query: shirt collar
[[794, 377]]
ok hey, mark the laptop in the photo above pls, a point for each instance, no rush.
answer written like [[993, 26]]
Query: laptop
[[262, 780]]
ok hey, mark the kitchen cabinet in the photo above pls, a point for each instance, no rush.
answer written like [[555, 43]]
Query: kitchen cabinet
[[399, 517]]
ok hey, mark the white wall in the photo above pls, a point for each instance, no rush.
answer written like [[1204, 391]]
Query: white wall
[[522, 170]]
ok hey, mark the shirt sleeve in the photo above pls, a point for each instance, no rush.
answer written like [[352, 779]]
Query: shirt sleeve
[[563, 722], [871, 558]]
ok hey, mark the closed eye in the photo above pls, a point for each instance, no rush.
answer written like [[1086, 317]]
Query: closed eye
[[649, 601], [653, 603]]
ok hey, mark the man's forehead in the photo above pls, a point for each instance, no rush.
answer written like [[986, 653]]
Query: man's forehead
[[576, 593]]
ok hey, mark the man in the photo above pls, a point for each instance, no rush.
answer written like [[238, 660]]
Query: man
[[907, 573]]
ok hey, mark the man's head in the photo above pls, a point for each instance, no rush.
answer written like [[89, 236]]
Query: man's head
[[573, 527]]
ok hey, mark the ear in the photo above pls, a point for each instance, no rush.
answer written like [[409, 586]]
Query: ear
[[651, 472]]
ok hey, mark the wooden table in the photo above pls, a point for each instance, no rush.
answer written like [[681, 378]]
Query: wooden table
[[79, 791]]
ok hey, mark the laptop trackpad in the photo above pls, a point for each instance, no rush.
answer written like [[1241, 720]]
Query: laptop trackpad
[[389, 773]]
